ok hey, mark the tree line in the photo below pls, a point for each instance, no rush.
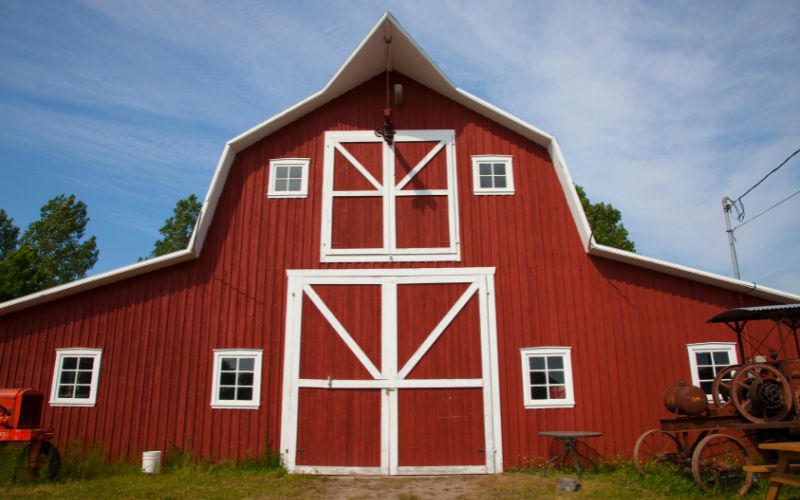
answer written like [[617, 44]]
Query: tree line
[[54, 250]]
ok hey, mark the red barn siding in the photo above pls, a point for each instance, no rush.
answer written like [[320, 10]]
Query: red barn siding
[[627, 326]]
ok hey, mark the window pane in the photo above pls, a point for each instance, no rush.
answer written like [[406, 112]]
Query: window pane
[[86, 363], [67, 377], [294, 185], [706, 386], [500, 182], [558, 392], [536, 362], [244, 394], [538, 392], [246, 364], [703, 358], [537, 378], [281, 172], [82, 391], [485, 169], [69, 363], [500, 169], [556, 377], [84, 377], [65, 391], [245, 379], [227, 378], [486, 182], [227, 393], [228, 364], [296, 173], [705, 373], [280, 185], [555, 362], [721, 358]]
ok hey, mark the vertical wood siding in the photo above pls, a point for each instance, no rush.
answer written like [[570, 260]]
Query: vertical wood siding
[[628, 327]]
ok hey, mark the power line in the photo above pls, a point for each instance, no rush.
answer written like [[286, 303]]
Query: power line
[[770, 208], [770, 173]]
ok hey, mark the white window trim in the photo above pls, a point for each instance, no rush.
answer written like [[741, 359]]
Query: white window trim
[[257, 354], [476, 182], [278, 162], [389, 251], [83, 352], [566, 353], [693, 349]]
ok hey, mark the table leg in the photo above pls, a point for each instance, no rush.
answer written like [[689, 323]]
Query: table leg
[[562, 454], [775, 488]]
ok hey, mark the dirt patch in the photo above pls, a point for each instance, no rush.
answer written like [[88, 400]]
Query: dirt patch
[[508, 485]]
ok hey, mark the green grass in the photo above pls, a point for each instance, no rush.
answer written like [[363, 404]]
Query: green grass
[[86, 474]]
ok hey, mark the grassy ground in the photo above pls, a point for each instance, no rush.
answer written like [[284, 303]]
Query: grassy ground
[[89, 476]]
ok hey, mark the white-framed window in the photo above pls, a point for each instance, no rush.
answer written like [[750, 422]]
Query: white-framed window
[[706, 359], [75, 377], [237, 378], [288, 178], [547, 377], [492, 174], [389, 203]]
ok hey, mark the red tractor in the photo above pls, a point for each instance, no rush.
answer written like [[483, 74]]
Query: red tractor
[[20, 421]]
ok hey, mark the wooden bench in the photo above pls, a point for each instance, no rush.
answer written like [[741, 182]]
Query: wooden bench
[[782, 472], [767, 468]]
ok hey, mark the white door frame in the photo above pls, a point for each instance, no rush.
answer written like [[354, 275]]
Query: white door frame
[[392, 377]]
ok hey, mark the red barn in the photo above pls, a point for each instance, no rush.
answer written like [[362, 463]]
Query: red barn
[[418, 303]]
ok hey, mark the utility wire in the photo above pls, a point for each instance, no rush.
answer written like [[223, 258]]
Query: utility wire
[[770, 173], [737, 203], [770, 208]]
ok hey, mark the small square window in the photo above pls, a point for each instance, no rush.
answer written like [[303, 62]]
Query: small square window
[[288, 178], [707, 359], [237, 378], [75, 377], [492, 175], [547, 377]]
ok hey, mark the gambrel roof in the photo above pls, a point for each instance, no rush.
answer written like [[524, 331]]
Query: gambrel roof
[[367, 61]]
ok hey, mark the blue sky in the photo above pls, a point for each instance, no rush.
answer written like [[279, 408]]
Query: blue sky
[[660, 108]]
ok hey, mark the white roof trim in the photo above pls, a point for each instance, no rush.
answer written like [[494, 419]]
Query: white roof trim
[[84, 284], [409, 59]]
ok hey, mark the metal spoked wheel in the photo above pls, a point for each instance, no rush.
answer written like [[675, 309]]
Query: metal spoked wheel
[[761, 393], [717, 465], [721, 390], [658, 449]]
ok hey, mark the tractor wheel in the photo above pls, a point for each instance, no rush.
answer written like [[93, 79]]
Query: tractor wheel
[[48, 462]]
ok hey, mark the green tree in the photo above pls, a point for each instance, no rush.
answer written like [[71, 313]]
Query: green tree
[[606, 223], [56, 240], [50, 252], [20, 275], [8, 234], [177, 230]]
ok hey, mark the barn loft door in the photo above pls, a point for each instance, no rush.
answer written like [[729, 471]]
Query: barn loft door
[[389, 203], [391, 372]]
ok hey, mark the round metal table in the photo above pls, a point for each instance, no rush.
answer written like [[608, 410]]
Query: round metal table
[[570, 440]]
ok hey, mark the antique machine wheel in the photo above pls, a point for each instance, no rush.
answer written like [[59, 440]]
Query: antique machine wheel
[[717, 465], [761, 393], [656, 448], [721, 390], [48, 461]]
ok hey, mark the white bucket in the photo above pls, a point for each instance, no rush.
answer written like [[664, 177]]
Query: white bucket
[[151, 462]]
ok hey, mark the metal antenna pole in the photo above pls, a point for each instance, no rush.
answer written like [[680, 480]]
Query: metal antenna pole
[[727, 203]]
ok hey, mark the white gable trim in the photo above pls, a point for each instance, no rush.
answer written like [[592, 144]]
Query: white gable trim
[[365, 62]]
